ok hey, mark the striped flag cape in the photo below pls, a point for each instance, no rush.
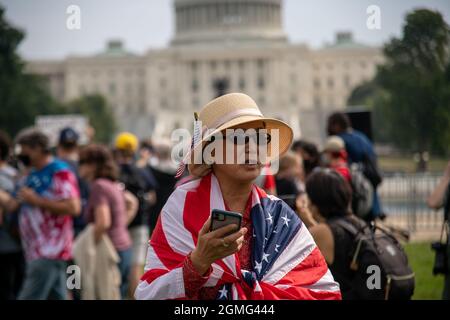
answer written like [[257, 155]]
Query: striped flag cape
[[287, 264]]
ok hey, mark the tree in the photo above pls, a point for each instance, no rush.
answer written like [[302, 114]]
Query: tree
[[416, 83], [370, 95], [96, 109], [22, 96]]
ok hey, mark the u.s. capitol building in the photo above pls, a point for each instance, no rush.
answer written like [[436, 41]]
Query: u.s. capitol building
[[219, 46]]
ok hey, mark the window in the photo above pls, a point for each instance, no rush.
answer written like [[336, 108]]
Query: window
[[128, 90], [363, 64], [316, 83], [241, 64], [142, 108], [317, 101], [331, 101], [142, 89], [330, 83], [213, 65], [294, 99], [195, 85], [261, 82], [127, 72], [194, 66], [262, 101], [241, 84], [260, 63], [293, 79], [347, 82], [195, 103], [162, 83], [112, 88]]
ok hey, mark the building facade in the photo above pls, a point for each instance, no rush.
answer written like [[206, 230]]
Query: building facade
[[219, 46]]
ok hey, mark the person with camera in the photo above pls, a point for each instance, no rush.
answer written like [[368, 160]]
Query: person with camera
[[440, 198], [47, 203], [271, 255]]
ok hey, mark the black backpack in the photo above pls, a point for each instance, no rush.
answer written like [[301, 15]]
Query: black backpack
[[373, 248], [371, 170], [135, 183]]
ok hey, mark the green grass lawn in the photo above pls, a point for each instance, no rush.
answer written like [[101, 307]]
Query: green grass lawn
[[407, 164], [421, 259]]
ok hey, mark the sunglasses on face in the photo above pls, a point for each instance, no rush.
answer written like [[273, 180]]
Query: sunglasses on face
[[242, 138]]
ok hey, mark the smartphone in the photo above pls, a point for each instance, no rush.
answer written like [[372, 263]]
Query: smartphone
[[222, 218]]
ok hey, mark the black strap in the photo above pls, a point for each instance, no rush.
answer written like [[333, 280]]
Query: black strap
[[347, 226]]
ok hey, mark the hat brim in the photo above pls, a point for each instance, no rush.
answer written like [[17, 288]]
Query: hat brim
[[285, 134]]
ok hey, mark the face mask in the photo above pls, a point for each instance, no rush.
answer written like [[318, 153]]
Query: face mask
[[24, 159], [308, 165]]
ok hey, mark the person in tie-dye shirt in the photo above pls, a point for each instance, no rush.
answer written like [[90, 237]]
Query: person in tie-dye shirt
[[47, 202]]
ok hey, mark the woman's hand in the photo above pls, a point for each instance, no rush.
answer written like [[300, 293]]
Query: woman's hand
[[212, 246]]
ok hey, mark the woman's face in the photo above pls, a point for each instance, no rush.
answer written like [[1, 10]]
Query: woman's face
[[242, 171]]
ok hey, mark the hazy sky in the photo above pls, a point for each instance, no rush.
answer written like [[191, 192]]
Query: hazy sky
[[145, 24]]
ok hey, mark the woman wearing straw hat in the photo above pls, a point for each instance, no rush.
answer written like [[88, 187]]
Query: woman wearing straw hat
[[272, 255]]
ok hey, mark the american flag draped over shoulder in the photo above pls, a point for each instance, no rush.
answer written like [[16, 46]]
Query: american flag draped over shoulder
[[286, 261]]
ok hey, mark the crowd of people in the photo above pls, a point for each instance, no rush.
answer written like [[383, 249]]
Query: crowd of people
[[50, 195], [96, 207]]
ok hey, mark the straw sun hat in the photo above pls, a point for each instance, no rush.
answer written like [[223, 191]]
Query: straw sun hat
[[233, 110]]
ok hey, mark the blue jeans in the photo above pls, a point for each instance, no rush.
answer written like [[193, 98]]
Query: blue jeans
[[124, 267], [44, 279]]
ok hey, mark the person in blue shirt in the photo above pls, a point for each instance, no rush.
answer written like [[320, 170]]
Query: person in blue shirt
[[359, 149], [67, 151]]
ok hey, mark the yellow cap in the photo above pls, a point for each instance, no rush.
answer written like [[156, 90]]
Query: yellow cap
[[127, 141]]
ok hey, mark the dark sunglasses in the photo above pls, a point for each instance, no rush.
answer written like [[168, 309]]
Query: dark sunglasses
[[242, 138]]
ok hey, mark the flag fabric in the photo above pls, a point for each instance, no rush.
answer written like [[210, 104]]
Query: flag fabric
[[287, 264]]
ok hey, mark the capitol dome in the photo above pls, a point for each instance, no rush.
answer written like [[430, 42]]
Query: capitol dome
[[209, 21]]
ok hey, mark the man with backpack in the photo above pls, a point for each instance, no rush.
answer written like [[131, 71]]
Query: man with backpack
[[142, 185], [361, 152], [334, 156]]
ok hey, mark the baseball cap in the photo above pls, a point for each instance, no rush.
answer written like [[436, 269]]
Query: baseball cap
[[68, 136], [127, 141]]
